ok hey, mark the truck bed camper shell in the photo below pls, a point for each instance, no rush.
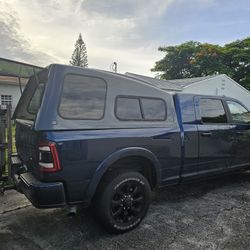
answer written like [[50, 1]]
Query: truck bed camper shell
[[52, 87]]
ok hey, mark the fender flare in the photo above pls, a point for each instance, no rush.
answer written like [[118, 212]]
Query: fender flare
[[117, 155]]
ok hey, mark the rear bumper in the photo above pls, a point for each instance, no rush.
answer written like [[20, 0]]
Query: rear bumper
[[41, 194]]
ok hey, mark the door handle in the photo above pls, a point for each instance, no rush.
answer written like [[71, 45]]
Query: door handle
[[206, 134]]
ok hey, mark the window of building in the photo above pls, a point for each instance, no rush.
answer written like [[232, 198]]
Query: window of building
[[6, 99], [140, 109], [239, 113], [212, 111], [83, 97]]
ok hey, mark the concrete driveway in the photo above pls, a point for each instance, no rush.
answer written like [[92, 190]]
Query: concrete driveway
[[213, 214]]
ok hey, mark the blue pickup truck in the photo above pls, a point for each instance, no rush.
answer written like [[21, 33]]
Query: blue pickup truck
[[90, 137]]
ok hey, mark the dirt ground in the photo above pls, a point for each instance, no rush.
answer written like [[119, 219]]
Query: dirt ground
[[213, 214]]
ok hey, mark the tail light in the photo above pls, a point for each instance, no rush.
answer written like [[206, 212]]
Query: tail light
[[48, 158]]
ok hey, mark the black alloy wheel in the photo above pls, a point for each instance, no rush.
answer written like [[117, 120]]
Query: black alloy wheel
[[123, 200]]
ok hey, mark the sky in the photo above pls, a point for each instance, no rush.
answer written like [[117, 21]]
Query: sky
[[128, 32]]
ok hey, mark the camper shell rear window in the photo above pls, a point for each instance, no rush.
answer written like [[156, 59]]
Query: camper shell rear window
[[32, 96], [36, 99]]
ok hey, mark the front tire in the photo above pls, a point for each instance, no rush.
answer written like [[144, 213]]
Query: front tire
[[122, 200]]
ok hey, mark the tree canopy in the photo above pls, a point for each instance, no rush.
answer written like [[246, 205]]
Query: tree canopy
[[79, 56], [195, 59]]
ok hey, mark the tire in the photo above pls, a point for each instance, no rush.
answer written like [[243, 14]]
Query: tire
[[122, 200]]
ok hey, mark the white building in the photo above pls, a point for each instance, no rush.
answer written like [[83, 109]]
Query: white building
[[10, 73], [10, 92], [221, 85]]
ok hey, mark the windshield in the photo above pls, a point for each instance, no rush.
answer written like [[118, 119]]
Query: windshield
[[31, 98]]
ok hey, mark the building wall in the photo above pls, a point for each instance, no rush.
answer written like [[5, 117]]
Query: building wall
[[13, 90], [222, 86]]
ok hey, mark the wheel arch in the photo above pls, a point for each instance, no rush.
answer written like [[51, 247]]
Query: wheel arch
[[119, 155]]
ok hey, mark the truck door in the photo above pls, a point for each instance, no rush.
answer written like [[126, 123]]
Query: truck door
[[215, 137], [240, 121]]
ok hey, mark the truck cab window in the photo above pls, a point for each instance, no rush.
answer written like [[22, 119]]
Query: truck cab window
[[239, 113], [212, 111]]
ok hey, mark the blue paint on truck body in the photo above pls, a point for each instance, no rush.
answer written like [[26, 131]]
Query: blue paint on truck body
[[182, 148]]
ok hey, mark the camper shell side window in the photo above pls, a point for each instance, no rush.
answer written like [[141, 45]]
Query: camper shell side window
[[83, 98], [133, 108]]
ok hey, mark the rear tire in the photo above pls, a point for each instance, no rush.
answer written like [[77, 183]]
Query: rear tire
[[122, 200]]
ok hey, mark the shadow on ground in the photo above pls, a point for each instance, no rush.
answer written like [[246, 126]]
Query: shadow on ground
[[213, 214]]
